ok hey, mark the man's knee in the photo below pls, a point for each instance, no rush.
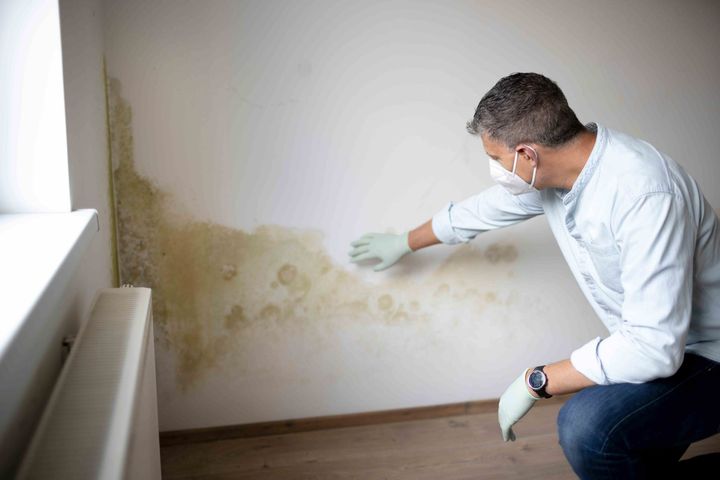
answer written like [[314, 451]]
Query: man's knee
[[581, 423]]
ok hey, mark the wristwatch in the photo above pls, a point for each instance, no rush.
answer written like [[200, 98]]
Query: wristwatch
[[537, 381]]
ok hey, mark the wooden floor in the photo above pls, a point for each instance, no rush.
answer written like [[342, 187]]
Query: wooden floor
[[448, 448]]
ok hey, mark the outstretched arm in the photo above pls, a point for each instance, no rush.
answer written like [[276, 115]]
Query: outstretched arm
[[390, 247], [455, 223], [423, 236]]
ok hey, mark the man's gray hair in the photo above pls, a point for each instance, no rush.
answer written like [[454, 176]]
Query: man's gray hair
[[525, 108]]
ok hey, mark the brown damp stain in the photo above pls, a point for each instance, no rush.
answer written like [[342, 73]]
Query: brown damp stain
[[287, 273], [496, 253], [220, 292], [229, 271], [467, 293], [271, 313], [300, 286], [385, 302], [235, 317], [400, 316], [111, 187], [353, 307], [442, 289], [470, 260]]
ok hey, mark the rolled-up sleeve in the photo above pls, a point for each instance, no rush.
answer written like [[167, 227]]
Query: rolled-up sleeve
[[656, 239], [492, 208]]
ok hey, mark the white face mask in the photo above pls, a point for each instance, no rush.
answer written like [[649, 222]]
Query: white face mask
[[510, 180]]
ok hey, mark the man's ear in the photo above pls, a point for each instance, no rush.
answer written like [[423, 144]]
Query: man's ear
[[529, 152]]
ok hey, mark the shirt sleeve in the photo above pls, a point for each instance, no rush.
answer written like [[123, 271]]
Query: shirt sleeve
[[656, 238], [492, 208]]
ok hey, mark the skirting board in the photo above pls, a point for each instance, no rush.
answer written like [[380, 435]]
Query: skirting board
[[278, 427]]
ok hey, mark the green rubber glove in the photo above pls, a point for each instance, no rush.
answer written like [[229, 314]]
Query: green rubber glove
[[388, 247], [514, 404]]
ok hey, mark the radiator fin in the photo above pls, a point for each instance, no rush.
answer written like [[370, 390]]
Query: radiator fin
[[85, 429]]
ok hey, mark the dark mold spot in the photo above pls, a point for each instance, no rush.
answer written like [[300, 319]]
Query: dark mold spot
[[235, 317], [270, 313], [228, 271], [287, 273]]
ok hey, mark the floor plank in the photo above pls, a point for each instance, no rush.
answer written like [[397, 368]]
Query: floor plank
[[453, 448]]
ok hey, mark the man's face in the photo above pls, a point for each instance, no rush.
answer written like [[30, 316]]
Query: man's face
[[498, 151], [501, 153]]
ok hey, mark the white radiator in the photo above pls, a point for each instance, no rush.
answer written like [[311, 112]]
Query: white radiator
[[101, 420]]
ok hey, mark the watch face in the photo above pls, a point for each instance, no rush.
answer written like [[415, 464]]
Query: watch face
[[536, 379]]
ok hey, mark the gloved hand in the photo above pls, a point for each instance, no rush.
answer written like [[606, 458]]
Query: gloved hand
[[514, 404], [388, 247]]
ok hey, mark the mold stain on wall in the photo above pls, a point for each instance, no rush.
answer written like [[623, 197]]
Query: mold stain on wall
[[220, 292]]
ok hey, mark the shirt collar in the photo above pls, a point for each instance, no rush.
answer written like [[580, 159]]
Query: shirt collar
[[571, 195]]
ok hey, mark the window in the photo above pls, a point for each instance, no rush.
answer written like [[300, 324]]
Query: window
[[33, 143]]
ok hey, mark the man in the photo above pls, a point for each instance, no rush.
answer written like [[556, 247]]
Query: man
[[644, 246]]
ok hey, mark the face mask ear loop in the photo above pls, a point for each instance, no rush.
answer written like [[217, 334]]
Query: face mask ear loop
[[515, 163], [532, 181]]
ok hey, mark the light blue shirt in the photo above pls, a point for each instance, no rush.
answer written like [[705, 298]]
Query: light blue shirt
[[643, 244]]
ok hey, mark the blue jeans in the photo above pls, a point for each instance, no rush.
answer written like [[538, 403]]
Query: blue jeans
[[632, 430]]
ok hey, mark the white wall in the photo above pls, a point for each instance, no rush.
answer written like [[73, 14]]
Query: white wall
[[337, 118], [87, 137]]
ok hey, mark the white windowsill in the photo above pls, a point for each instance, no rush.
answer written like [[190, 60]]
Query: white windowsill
[[37, 252]]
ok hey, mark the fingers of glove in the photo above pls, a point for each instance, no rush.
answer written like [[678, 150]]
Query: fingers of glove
[[381, 266], [359, 242], [364, 240], [505, 423], [506, 427], [358, 250], [362, 256], [505, 433]]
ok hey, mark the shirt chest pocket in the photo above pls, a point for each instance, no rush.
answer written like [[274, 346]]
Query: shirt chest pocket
[[606, 259]]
